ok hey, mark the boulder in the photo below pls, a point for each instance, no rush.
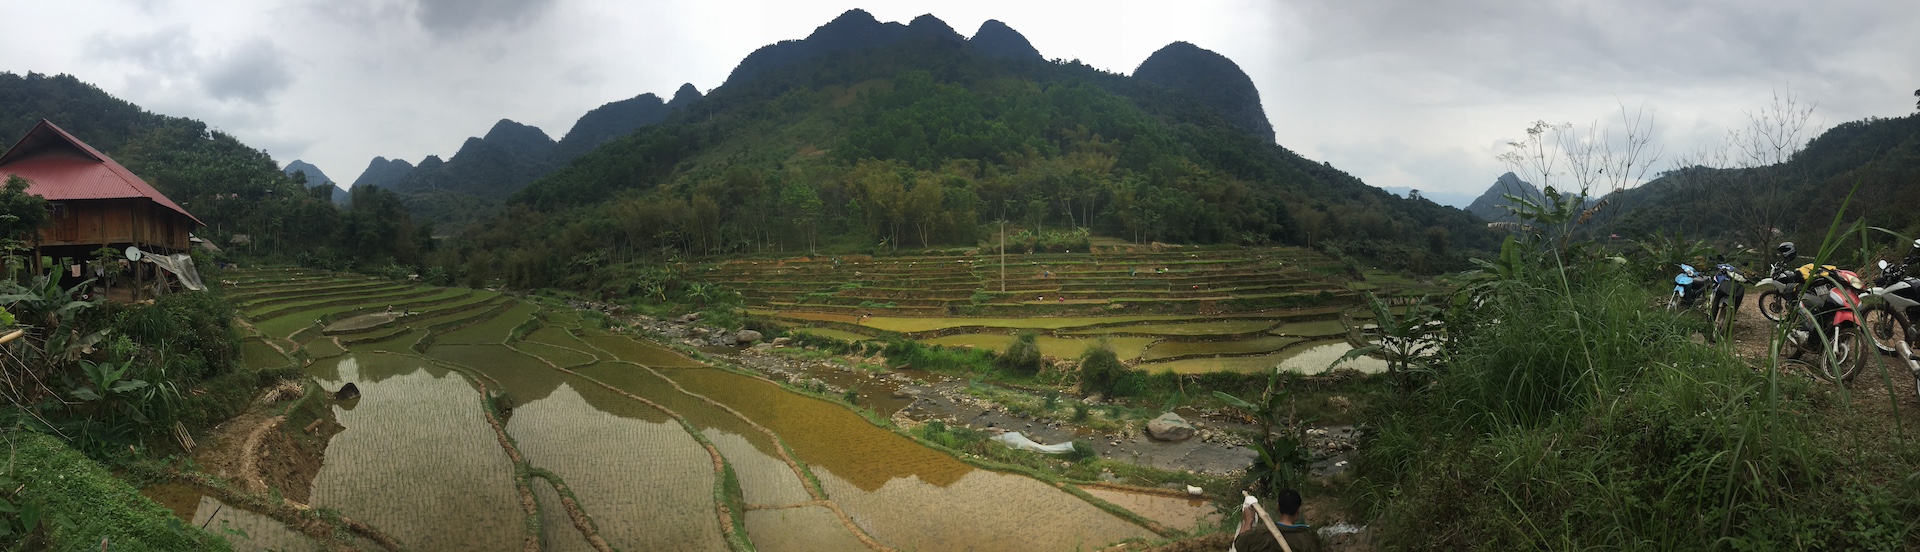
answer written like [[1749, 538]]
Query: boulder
[[347, 392], [747, 336], [689, 318], [1170, 427], [782, 341]]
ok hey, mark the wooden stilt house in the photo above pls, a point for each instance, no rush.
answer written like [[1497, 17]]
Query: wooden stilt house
[[95, 201]]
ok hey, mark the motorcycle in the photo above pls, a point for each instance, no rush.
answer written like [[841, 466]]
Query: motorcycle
[[1729, 289], [1828, 305], [1773, 301], [1889, 320], [1913, 362], [1687, 286]]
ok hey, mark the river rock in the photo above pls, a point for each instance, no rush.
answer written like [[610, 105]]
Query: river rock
[[747, 336], [689, 318], [782, 341], [1170, 427]]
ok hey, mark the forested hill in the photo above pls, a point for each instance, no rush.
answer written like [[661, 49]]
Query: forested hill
[[234, 188], [1799, 197], [896, 137]]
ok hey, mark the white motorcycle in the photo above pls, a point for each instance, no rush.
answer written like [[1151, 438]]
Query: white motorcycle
[[1890, 320], [1776, 297]]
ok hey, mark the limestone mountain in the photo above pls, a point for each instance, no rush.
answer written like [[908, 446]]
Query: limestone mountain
[[610, 121], [683, 97], [884, 135], [383, 172], [491, 166], [314, 176], [854, 30], [1210, 79], [996, 39], [1491, 205]]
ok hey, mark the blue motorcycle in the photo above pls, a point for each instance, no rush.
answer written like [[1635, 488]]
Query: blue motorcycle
[[1687, 286]]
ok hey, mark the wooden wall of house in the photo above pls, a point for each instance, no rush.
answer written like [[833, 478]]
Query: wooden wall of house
[[116, 222]]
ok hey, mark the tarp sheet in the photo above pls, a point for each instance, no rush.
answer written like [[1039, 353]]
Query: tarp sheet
[[1018, 440], [180, 265]]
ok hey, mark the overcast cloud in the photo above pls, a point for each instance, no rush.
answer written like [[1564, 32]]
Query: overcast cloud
[[1405, 93]]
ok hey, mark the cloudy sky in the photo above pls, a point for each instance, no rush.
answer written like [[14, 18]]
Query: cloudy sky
[[1406, 93]]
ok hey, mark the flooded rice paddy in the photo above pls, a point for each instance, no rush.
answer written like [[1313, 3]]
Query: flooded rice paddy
[[641, 437]]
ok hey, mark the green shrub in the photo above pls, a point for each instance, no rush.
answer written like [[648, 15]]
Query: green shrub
[[1022, 357], [1082, 451], [935, 358], [1102, 372]]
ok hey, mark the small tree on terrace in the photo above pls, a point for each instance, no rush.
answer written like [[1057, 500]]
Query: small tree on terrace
[[22, 215]]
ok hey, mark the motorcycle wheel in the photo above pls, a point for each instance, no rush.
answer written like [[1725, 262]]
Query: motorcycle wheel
[[1885, 326], [1719, 321], [1774, 306], [1844, 356]]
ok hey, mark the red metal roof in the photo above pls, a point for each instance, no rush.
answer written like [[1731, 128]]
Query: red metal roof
[[62, 167]]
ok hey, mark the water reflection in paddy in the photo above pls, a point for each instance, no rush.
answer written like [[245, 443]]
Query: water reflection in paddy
[[417, 458], [906, 495], [419, 461], [647, 483]]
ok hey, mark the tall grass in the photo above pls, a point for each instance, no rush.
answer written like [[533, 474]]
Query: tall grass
[[1565, 413]]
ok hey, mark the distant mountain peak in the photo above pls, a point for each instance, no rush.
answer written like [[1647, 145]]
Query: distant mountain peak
[[1213, 80], [508, 129], [687, 94], [1491, 206], [314, 176], [851, 30], [996, 39], [613, 120], [928, 25], [383, 172]]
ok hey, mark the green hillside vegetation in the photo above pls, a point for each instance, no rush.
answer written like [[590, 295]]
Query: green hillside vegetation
[[1799, 197], [234, 188], [926, 145]]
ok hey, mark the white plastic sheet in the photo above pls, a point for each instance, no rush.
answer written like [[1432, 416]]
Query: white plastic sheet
[[1019, 440]]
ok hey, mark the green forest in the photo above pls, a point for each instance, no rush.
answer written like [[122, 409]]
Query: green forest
[[927, 146]]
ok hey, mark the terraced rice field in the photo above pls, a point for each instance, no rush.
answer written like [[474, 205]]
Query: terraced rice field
[[1217, 327], [1057, 347], [1188, 310], [640, 434]]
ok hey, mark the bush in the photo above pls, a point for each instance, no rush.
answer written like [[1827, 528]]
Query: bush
[[1022, 357], [1102, 372]]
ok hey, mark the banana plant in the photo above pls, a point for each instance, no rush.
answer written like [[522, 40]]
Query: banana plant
[[1284, 457]]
